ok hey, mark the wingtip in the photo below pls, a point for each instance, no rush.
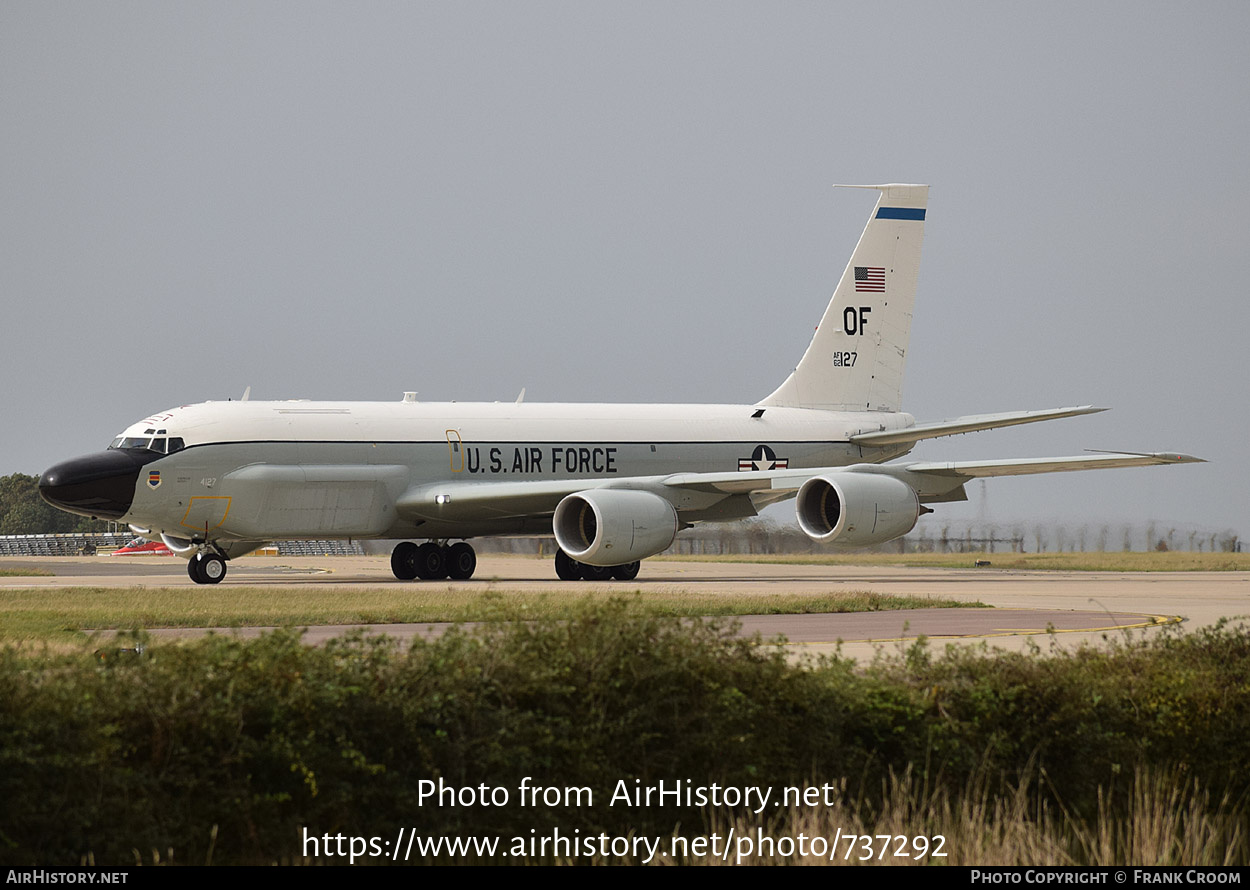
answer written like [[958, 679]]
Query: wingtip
[[1175, 457], [1163, 457]]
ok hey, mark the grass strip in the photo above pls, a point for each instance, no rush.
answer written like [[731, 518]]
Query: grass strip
[[31, 614]]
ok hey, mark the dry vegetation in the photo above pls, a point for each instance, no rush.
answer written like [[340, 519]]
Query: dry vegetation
[[1165, 820]]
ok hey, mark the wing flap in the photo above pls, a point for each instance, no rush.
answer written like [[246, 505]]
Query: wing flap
[[749, 482]]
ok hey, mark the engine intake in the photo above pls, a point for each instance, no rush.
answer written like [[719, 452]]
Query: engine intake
[[859, 509], [610, 527]]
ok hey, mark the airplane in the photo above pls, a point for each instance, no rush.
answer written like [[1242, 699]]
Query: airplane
[[615, 484], [143, 547]]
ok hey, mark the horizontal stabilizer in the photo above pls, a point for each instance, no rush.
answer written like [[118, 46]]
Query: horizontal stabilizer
[[970, 424]]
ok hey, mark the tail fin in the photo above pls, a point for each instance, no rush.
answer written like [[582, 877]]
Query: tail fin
[[856, 358]]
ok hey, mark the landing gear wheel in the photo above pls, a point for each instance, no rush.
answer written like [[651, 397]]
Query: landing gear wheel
[[596, 573], [567, 568], [461, 561], [206, 568], [431, 564], [627, 572], [404, 561]]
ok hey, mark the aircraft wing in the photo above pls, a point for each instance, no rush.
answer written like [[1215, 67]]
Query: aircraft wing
[[933, 481]]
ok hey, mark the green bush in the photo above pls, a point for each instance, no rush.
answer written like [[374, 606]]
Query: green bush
[[235, 745]]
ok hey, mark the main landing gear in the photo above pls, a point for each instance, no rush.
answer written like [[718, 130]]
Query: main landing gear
[[569, 569], [431, 561], [206, 567]]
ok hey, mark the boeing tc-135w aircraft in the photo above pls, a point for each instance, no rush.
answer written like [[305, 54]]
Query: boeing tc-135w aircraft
[[615, 483]]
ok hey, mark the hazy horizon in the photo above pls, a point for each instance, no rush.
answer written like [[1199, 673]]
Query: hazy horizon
[[631, 202]]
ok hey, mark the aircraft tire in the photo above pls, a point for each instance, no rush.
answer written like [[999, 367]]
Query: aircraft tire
[[404, 561], [461, 561], [626, 572], [212, 568], [596, 573], [567, 568], [193, 569], [431, 564]]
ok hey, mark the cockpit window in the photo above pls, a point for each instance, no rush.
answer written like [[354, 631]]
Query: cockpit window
[[135, 442], [158, 444]]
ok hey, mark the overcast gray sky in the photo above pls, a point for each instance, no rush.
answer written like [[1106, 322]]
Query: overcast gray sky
[[631, 202]]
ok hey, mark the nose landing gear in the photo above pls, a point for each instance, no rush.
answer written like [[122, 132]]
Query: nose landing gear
[[206, 567]]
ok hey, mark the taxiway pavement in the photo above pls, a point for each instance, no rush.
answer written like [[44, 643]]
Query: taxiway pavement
[[1046, 609]]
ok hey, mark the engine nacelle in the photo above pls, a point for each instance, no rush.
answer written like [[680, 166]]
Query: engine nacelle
[[610, 527], [858, 509]]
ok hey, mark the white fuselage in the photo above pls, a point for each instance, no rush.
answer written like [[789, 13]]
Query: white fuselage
[[254, 471]]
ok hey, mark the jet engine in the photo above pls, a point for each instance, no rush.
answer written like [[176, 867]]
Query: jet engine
[[859, 509], [610, 527]]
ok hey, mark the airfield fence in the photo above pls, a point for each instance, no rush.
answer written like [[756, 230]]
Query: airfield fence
[[763, 537], [759, 537], [62, 544], [319, 548], [86, 543]]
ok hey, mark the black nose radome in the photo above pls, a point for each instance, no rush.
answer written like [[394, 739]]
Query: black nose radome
[[100, 485]]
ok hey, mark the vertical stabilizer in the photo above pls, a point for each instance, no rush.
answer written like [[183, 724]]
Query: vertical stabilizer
[[856, 358]]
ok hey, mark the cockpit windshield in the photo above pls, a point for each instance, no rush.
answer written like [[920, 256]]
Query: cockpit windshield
[[154, 441]]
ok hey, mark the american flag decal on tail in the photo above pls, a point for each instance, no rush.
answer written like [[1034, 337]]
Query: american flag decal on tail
[[870, 279]]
